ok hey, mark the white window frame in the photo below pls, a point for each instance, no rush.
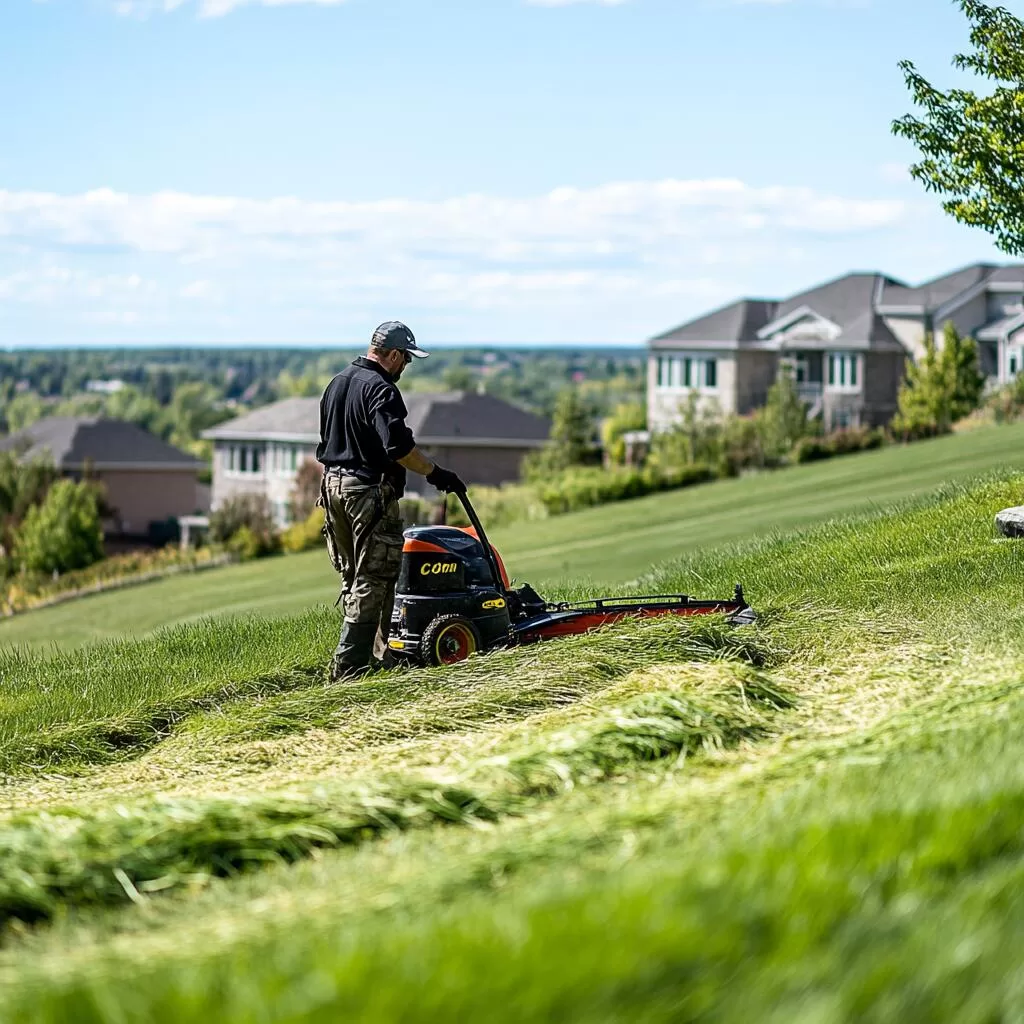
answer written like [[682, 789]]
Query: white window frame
[[1014, 361], [246, 460], [843, 372], [686, 373]]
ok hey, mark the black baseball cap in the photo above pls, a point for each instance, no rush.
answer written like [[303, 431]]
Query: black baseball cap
[[397, 336]]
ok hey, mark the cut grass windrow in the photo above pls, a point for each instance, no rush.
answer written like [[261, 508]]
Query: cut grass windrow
[[386, 706], [55, 860]]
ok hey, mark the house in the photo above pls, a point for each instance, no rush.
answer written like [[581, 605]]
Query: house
[[483, 438], [146, 480], [847, 342]]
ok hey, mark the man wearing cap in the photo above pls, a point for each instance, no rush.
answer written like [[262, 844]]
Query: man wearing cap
[[366, 448]]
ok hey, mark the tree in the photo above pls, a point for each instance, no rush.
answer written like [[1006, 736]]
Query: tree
[[64, 532], [625, 418], [306, 491], [968, 381], [972, 146], [572, 428], [22, 411], [783, 420], [193, 409], [939, 389]]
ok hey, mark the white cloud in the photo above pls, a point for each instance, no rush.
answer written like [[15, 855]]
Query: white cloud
[[620, 259], [205, 8], [618, 218]]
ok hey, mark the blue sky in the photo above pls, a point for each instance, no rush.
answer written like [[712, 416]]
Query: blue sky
[[213, 171]]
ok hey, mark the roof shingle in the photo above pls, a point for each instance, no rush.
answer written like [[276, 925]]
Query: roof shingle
[[73, 441], [450, 415]]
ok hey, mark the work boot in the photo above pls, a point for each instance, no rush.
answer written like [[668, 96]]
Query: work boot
[[351, 658]]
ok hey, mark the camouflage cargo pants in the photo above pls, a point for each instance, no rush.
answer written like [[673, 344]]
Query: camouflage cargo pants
[[363, 527]]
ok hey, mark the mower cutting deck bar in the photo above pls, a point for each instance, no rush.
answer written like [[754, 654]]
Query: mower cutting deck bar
[[454, 599]]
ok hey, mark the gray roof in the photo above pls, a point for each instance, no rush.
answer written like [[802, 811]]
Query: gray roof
[[737, 322], [1001, 328], [939, 290], [935, 293], [449, 416], [845, 301], [72, 441], [854, 302], [849, 302]]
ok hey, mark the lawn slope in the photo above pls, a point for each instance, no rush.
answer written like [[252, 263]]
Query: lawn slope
[[606, 547], [817, 818]]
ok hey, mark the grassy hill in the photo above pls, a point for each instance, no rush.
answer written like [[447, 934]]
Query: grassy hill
[[818, 818], [606, 547]]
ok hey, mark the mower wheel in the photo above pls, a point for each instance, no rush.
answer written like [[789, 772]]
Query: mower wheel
[[449, 639]]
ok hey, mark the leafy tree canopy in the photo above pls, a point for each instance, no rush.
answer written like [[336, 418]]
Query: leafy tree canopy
[[972, 145], [62, 533]]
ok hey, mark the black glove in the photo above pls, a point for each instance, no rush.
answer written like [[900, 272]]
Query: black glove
[[446, 480]]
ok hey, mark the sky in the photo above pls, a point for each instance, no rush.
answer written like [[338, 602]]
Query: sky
[[489, 171]]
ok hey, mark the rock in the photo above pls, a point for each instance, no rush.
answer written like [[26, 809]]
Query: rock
[[1010, 522]]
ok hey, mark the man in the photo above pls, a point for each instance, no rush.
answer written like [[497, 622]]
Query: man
[[366, 448]]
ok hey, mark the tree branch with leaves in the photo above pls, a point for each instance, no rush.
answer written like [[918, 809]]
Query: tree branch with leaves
[[972, 146]]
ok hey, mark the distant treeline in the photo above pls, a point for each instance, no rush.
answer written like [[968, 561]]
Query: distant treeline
[[251, 377]]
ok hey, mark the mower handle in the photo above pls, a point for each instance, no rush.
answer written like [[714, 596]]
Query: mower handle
[[482, 537]]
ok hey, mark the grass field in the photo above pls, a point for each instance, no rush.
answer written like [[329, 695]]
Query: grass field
[[819, 818], [607, 546]]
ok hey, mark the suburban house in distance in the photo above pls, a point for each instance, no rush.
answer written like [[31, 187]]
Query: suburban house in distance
[[847, 342], [146, 480], [483, 438]]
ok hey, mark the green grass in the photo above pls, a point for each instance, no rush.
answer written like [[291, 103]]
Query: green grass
[[606, 547], [819, 818]]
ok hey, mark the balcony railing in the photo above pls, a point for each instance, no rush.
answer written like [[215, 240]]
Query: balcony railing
[[810, 392]]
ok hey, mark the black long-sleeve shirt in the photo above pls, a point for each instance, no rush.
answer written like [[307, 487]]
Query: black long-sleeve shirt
[[362, 425]]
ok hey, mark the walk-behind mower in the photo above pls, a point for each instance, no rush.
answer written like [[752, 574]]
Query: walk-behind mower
[[454, 599]]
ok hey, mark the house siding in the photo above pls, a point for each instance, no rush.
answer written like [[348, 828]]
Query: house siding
[[967, 319], [909, 331], [489, 466], [883, 374], [755, 374], [665, 405], [141, 497]]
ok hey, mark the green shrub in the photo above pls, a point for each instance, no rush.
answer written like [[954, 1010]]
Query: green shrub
[[304, 535], [248, 544], [625, 417], [1007, 404], [250, 513], [500, 506], [585, 488], [62, 533], [841, 442]]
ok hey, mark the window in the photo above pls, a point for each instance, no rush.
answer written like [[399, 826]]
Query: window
[[294, 458], [1013, 361], [243, 458], [842, 371], [681, 372]]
